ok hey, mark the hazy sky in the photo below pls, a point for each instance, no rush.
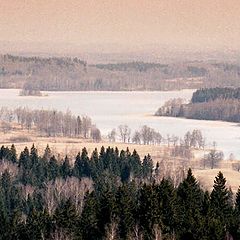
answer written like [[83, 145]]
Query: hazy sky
[[210, 23]]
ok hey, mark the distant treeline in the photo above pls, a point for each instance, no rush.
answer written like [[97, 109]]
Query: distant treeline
[[221, 104], [62, 74], [211, 94], [51, 122], [109, 195], [137, 66]]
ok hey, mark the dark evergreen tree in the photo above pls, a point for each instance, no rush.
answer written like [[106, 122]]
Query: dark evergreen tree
[[127, 208], [82, 165], [147, 212], [66, 217], [47, 153], [166, 207], [221, 209], [53, 168], [89, 229], [190, 202], [65, 169], [147, 167], [13, 154], [135, 164]]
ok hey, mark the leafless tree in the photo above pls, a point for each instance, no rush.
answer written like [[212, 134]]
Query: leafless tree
[[124, 133], [213, 158], [136, 137], [86, 125], [6, 127], [112, 135], [60, 234], [157, 232], [10, 167], [27, 190], [112, 230], [95, 134], [50, 122], [71, 188], [136, 233]]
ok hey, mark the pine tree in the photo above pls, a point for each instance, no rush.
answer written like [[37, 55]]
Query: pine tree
[[126, 207], [135, 164], [95, 164], [66, 216], [6, 185], [167, 206], [148, 210], [13, 155], [147, 167], [237, 200], [4, 219], [220, 198], [53, 168], [82, 165], [190, 202], [107, 209], [24, 159], [89, 229], [38, 225], [47, 153], [221, 209], [65, 169]]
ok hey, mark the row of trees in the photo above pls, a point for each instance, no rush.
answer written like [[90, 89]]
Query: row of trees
[[211, 94], [52, 122], [147, 135], [110, 195]]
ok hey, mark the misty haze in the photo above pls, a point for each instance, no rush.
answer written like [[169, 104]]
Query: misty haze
[[120, 120]]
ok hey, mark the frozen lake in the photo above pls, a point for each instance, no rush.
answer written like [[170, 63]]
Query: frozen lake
[[110, 109]]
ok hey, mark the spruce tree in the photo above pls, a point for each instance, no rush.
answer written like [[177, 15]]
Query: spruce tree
[[13, 155], [47, 153], [66, 216], [65, 169], [126, 207], [190, 201], [53, 168], [147, 167], [166, 206], [220, 198], [89, 229], [148, 210], [237, 200], [135, 164]]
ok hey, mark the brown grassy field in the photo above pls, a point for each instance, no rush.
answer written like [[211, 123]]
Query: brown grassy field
[[71, 146]]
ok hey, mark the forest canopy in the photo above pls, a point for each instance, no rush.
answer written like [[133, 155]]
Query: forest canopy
[[110, 194]]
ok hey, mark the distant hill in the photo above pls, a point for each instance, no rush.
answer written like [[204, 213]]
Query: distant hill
[[58, 73]]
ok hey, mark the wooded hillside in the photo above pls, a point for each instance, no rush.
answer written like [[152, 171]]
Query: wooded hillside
[[207, 104], [75, 74]]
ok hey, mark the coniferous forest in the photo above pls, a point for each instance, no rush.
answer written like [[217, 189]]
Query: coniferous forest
[[109, 194]]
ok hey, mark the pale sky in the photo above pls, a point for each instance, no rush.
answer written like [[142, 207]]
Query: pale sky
[[208, 23]]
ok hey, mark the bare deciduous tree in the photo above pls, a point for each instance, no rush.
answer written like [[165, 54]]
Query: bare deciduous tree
[[112, 135], [124, 133]]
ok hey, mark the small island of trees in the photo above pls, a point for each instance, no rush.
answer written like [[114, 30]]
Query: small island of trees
[[29, 90]]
